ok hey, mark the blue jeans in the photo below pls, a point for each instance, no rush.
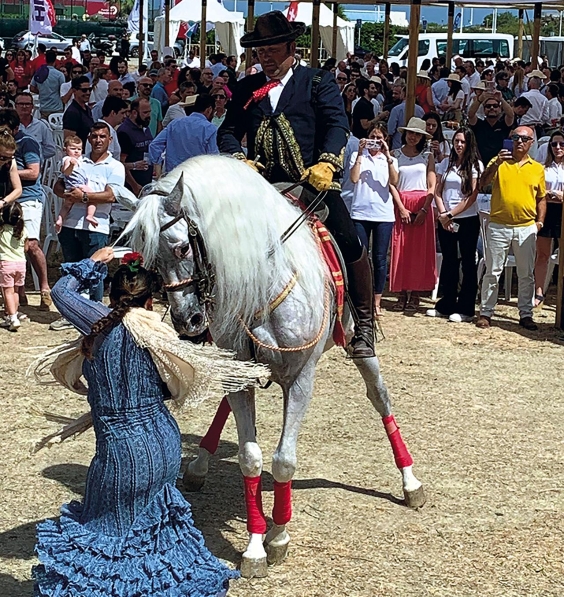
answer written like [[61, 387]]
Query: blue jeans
[[81, 244], [381, 235]]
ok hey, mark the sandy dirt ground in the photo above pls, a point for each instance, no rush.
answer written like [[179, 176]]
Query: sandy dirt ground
[[482, 412]]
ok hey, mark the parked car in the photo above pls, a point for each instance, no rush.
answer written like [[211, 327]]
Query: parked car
[[25, 40], [134, 46]]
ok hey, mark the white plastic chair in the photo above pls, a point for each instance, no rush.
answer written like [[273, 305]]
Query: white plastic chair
[[56, 121], [509, 264], [552, 263]]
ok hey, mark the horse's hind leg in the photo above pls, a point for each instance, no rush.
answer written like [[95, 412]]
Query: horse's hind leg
[[196, 472], [377, 393]]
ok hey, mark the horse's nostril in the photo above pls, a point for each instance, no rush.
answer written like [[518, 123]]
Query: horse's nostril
[[196, 320]]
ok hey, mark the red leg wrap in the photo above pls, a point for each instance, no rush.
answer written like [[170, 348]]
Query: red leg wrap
[[256, 521], [210, 441], [282, 511], [401, 453]]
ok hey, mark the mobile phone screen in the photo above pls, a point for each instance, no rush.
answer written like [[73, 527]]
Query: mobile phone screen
[[508, 144]]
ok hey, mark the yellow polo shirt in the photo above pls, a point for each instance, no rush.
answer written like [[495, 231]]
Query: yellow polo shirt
[[515, 190]]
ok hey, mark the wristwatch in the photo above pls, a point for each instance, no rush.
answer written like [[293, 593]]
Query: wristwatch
[[84, 197], [450, 216]]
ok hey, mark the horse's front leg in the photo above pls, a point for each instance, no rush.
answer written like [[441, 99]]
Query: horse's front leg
[[377, 393], [253, 563], [297, 397]]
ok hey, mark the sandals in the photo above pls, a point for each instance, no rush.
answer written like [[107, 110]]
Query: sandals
[[401, 304], [539, 300], [412, 305]]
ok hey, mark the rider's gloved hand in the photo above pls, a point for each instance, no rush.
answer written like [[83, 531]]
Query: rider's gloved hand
[[256, 166], [320, 176]]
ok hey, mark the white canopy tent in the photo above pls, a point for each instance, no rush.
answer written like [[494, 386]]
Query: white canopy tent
[[229, 26], [345, 37]]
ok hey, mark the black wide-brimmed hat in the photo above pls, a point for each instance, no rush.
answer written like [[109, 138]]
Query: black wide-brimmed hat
[[272, 28]]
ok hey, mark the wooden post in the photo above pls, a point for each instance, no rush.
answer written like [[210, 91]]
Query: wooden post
[[536, 35], [335, 31], [250, 27], [141, 32], [314, 59], [520, 34], [449, 34], [388, 8], [166, 22], [412, 59], [560, 293], [203, 34]]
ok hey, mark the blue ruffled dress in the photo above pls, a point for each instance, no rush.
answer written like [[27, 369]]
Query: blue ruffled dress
[[134, 535]]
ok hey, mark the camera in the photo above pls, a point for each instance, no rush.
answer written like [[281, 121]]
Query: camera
[[373, 144]]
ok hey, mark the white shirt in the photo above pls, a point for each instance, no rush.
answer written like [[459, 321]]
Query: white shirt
[[347, 186], [100, 92], [372, 199], [173, 112], [538, 112], [275, 93], [114, 147], [439, 91], [542, 153], [64, 90], [467, 91], [459, 96], [554, 109], [473, 79], [105, 172], [412, 171], [452, 191], [554, 177]]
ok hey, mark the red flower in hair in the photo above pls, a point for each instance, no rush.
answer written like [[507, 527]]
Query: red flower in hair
[[133, 260]]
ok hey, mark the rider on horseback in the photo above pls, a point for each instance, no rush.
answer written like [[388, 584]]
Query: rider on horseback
[[295, 123]]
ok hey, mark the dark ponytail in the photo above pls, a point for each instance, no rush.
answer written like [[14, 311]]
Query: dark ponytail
[[131, 287], [12, 215]]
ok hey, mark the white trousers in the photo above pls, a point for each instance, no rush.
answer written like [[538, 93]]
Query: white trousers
[[499, 239]]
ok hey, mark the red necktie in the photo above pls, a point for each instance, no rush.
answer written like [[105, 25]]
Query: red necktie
[[261, 93]]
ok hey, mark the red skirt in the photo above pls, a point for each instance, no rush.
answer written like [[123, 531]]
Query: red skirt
[[413, 259]]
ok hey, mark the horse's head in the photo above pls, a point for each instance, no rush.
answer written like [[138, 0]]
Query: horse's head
[[170, 241]]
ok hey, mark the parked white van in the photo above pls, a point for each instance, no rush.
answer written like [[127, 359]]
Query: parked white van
[[467, 45]]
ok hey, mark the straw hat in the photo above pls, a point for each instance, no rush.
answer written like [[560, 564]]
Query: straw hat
[[189, 101], [453, 77], [415, 125], [537, 73], [375, 79], [480, 85], [422, 74]]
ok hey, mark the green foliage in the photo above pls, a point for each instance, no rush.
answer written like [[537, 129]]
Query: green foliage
[[506, 23], [372, 36]]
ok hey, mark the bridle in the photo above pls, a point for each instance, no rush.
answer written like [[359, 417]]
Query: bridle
[[203, 280]]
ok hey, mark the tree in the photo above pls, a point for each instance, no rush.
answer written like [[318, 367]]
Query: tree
[[506, 23]]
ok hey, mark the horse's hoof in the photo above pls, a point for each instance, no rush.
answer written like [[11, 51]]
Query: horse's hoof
[[193, 482], [253, 567], [276, 554], [416, 498]]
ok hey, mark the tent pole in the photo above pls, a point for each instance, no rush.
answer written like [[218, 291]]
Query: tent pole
[[520, 34], [141, 32], [388, 8], [203, 33], [560, 294], [449, 34], [415, 16], [250, 27], [536, 35], [335, 30], [167, 22], [314, 58]]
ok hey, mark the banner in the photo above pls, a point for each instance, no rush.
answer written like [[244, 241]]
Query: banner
[[133, 19], [292, 11], [41, 17]]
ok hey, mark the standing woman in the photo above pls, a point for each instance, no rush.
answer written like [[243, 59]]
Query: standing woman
[[459, 227], [423, 92], [349, 95], [554, 177], [23, 70], [413, 259], [373, 170], [439, 145], [452, 106]]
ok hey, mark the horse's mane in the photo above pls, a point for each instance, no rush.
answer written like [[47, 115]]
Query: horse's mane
[[241, 218]]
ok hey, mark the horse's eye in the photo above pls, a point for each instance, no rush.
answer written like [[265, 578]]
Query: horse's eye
[[182, 251]]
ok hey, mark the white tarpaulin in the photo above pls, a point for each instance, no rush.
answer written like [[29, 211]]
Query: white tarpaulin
[[345, 36], [229, 26]]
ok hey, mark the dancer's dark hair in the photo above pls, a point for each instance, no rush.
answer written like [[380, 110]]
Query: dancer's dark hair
[[12, 215], [470, 160], [128, 289]]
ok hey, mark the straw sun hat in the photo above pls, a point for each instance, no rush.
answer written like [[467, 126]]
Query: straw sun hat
[[422, 74], [415, 125], [453, 77]]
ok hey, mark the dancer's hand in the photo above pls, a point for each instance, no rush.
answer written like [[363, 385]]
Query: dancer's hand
[[105, 255]]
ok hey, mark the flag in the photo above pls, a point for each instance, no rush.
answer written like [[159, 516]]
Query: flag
[[41, 16], [133, 19], [292, 11], [192, 29]]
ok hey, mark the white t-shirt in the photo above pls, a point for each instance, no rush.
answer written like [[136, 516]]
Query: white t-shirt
[[99, 175], [347, 187], [452, 183], [554, 177], [412, 171], [459, 96], [372, 199]]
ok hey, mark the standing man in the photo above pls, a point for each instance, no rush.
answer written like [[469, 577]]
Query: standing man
[[134, 138], [49, 87], [124, 74], [363, 111], [28, 159], [397, 118], [113, 114], [517, 213], [115, 89], [92, 66], [33, 127], [538, 115], [144, 89], [159, 90], [84, 45], [78, 120], [303, 133]]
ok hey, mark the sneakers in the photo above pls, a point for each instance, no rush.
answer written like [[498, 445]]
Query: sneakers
[[11, 322], [435, 313], [460, 318], [483, 322], [528, 324], [46, 301], [61, 324]]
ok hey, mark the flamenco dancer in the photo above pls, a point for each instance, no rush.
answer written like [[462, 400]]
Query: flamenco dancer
[[133, 536]]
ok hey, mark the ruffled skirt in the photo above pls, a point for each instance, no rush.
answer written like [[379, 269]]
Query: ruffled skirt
[[162, 555]]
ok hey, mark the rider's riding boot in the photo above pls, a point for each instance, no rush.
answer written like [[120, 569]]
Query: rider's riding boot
[[361, 293]]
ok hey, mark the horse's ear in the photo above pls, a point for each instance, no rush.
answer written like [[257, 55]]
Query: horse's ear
[[125, 197], [173, 202]]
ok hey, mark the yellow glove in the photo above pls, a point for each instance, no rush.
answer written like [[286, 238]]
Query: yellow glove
[[320, 176], [256, 166]]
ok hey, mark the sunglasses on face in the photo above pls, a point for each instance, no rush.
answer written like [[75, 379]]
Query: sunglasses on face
[[219, 97], [85, 89], [149, 85], [524, 138], [491, 106], [22, 105], [557, 144]]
